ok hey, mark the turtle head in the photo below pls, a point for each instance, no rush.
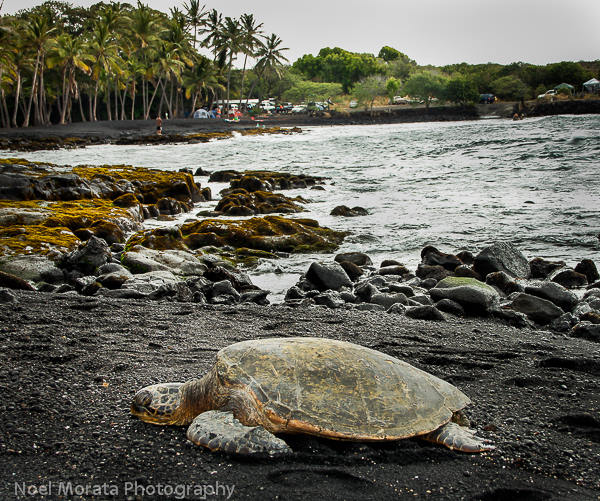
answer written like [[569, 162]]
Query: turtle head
[[158, 404]]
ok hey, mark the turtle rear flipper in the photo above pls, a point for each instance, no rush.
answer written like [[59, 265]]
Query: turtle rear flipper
[[458, 438], [220, 431]]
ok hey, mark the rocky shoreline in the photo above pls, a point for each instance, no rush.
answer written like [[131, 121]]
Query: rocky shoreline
[[93, 307]]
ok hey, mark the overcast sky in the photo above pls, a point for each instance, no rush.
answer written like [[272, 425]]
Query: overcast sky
[[434, 32]]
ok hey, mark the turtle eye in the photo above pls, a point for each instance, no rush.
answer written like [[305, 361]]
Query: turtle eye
[[143, 399]]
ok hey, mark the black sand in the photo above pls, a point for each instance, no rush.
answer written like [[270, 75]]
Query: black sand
[[70, 365]]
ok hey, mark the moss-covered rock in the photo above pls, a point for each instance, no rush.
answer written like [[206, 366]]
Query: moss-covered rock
[[254, 180], [40, 226], [23, 180], [270, 233], [240, 202]]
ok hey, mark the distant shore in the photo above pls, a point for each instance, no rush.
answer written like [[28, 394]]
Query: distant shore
[[125, 131]]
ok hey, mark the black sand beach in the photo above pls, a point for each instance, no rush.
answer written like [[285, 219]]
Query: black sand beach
[[71, 364]]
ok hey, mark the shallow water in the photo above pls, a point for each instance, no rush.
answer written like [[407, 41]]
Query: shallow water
[[457, 185]]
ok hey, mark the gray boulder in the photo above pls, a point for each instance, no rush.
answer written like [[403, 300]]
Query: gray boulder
[[224, 288], [328, 276], [89, 257], [32, 268], [149, 282], [7, 296], [386, 300], [357, 258], [587, 330], [449, 306], [331, 299], [569, 278], [536, 308], [554, 292], [564, 323], [397, 309], [425, 312], [143, 260], [474, 296], [502, 256]]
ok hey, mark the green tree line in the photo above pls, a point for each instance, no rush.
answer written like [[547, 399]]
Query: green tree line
[[392, 72], [60, 63]]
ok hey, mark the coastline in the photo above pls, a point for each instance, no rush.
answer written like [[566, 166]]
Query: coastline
[[71, 362], [81, 134]]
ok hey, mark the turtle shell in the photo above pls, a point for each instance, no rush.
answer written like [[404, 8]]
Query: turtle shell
[[337, 389]]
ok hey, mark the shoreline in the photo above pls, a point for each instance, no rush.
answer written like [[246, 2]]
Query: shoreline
[[177, 130]]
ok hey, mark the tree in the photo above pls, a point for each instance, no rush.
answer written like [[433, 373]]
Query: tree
[[39, 34], [251, 31], [510, 87], [70, 54], [389, 54], [425, 86], [392, 85], [461, 90], [339, 65], [270, 59], [307, 90], [202, 79], [194, 15], [368, 89]]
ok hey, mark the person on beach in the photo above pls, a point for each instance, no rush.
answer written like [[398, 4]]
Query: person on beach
[[159, 125]]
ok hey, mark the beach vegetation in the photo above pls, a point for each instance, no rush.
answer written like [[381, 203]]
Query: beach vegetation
[[425, 86], [368, 89], [461, 89], [62, 64], [510, 87]]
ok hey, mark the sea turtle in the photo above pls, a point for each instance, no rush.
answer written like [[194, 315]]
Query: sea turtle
[[316, 386]]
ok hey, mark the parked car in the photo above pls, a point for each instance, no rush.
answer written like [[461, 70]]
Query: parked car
[[353, 104], [399, 100], [548, 93], [487, 98], [301, 108]]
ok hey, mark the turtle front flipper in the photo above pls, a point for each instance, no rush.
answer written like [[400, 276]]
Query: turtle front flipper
[[458, 438], [220, 431]]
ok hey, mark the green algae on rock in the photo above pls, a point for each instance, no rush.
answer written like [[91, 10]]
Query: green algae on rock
[[269, 233], [240, 202], [256, 180], [24, 180], [40, 226]]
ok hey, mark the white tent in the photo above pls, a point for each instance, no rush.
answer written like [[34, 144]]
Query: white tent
[[592, 85]]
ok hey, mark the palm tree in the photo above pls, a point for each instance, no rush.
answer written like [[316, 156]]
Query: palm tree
[[213, 25], [203, 78], [250, 42], [39, 35], [228, 41], [104, 50], [145, 31], [194, 15], [169, 66], [7, 67], [69, 53], [179, 42], [270, 59]]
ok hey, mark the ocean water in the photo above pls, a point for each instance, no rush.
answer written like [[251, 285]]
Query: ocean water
[[457, 185]]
